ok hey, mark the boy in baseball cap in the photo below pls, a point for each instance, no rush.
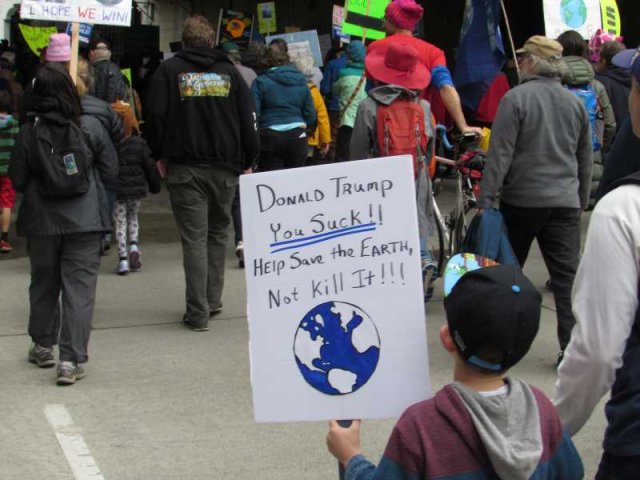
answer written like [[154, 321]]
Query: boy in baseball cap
[[484, 424]]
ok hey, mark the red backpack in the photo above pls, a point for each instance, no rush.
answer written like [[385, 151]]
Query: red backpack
[[401, 131]]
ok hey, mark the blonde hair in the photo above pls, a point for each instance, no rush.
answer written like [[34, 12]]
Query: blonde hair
[[84, 77]]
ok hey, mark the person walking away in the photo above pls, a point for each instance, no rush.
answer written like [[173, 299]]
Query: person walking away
[[201, 123], [109, 82], [486, 423], [400, 19], [61, 164], [137, 173], [580, 80], [540, 158], [350, 89], [393, 120], [285, 112], [9, 129], [604, 352], [616, 80], [233, 52], [332, 101], [320, 142]]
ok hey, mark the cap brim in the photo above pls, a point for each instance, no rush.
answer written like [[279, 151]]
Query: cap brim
[[459, 265], [623, 59], [376, 68]]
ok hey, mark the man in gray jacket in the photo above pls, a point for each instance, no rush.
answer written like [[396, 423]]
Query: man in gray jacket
[[541, 158]]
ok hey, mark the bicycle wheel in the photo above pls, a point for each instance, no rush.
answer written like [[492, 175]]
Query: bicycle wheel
[[459, 232], [435, 242]]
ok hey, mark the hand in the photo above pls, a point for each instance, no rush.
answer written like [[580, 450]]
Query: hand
[[324, 149], [248, 171], [477, 130], [344, 443], [162, 168]]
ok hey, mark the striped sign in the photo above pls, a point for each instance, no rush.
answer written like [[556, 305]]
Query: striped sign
[[365, 18]]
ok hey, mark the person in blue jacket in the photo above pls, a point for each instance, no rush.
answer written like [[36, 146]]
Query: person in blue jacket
[[285, 112]]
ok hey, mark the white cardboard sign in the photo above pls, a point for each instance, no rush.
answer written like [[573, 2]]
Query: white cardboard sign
[[103, 12], [335, 300], [580, 15]]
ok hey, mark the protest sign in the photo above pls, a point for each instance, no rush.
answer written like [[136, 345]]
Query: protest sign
[[334, 290], [36, 37], [337, 21], [611, 17], [267, 17], [301, 43], [103, 12], [84, 35], [235, 26], [582, 16], [364, 18]]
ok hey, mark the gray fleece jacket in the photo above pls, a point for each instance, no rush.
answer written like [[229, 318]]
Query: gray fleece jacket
[[541, 153]]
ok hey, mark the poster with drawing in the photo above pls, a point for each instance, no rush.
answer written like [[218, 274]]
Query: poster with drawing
[[580, 15], [102, 12], [334, 291], [301, 43]]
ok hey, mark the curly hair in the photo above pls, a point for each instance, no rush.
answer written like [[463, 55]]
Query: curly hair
[[610, 50], [275, 57], [198, 32]]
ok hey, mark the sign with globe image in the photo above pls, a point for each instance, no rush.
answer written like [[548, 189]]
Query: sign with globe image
[[574, 12], [337, 348]]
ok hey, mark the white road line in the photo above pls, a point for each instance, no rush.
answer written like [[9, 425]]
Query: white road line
[[82, 464]]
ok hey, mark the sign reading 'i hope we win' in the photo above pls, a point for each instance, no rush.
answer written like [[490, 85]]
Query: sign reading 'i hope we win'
[[102, 12], [335, 307]]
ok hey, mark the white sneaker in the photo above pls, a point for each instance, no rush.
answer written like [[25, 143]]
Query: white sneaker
[[123, 267], [240, 254]]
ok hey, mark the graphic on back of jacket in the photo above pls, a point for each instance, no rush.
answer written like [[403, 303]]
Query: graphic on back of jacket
[[204, 84]]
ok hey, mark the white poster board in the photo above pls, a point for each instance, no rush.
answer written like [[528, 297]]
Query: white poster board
[[301, 42], [335, 298], [582, 16], [103, 12]]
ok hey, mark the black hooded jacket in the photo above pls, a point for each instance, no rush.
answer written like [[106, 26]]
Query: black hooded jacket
[[617, 83], [200, 112]]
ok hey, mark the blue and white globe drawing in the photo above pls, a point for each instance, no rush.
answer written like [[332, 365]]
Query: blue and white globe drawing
[[337, 348], [573, 12]]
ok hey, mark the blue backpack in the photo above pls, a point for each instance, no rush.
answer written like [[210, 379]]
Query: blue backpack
[[587, 95]]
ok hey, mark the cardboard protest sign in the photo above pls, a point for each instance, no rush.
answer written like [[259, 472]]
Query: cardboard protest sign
[[301, 43], [337, 21], [235, 26], [84, 33], [103, 12], [582, 16], [36, 37], [267, 17], [335, 300], [611, 17], [364, 18]]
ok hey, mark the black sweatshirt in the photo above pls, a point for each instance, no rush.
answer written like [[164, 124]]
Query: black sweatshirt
[[200, 112]]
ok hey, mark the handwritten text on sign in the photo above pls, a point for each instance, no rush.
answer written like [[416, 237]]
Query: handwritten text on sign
[[335, 306], [103, 12]]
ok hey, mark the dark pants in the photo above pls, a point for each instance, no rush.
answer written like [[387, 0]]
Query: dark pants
[[201, 201], [614, 467], [334, 121], [558, 233], [237, 217], [62, 294], [343, 148], [280, 150]]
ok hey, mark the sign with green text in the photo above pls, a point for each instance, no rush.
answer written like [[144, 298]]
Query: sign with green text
[[364, 18]]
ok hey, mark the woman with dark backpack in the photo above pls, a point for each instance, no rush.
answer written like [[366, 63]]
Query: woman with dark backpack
[[62, 163]]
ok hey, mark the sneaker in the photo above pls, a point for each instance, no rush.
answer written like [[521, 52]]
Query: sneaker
[[134, 257], [5, 246], [240, 254], [429, 275], [41, 356], [193, 326], [215, 311], [123, 267], [68, 373]]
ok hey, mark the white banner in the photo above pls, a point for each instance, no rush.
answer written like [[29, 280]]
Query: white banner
[[95, 12], [582, 16], [335, 299]]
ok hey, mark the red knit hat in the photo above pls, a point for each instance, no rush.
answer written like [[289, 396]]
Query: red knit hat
[[404, 14]]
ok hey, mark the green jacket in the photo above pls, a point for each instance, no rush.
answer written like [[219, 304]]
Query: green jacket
[[350, 79]]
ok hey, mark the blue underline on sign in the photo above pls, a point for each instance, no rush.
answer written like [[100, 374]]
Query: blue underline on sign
[[323, 237]]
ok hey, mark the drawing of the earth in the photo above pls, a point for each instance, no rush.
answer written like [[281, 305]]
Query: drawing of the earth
[[574, 12], [110, 3], [337, 348]]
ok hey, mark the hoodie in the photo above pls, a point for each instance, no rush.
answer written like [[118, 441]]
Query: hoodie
[[459, 434], [617, 83], [282, 97], [200, 112]]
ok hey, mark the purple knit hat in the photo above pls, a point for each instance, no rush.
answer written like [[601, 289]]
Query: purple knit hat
[[404, 14], [59, 48]]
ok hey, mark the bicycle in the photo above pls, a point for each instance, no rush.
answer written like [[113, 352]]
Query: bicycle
[[448, 230]]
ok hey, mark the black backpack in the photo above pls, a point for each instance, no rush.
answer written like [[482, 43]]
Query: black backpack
[[61, 162]]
